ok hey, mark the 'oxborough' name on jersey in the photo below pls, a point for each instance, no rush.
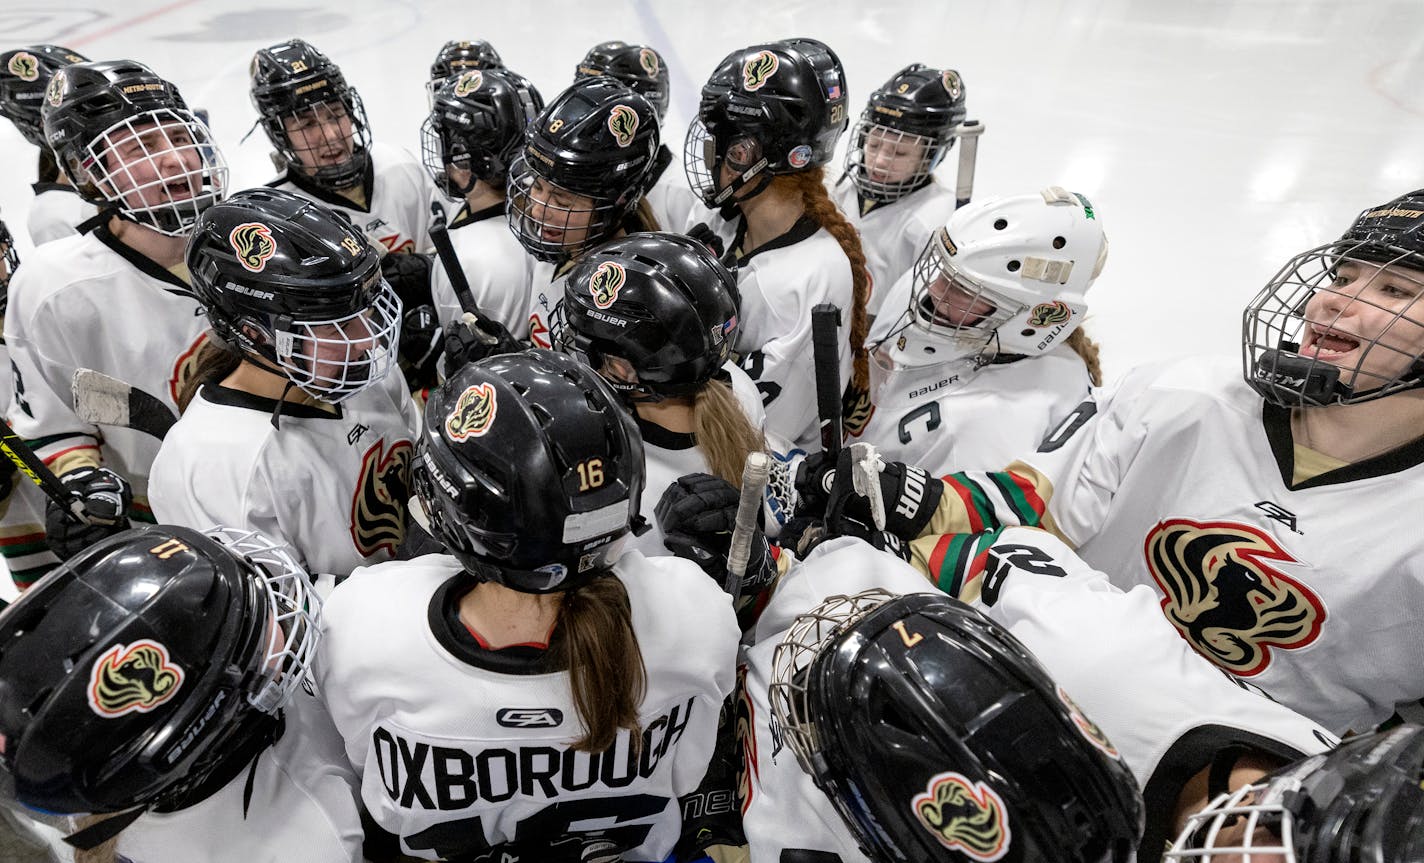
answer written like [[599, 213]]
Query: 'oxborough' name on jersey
[[432, 775]]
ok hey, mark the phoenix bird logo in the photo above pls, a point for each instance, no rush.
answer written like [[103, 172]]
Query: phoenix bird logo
[[1222, 596], [623, 123], [1086, 726], [758, 70], [253, 243], [968, 817], [24, 66], [132, 679], [648, 59], [606, 282], [473, 414], [54, 93], [952, 85], [469, 82], [1045, 314], [379, 504]]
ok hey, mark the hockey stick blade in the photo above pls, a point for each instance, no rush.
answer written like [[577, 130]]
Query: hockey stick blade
[[108, 401], [755, 474]]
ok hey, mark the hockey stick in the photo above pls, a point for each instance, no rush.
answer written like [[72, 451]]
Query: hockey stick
[[825, 354], [755, 474], [34, 467], [107, 401], [969, 132], [865, 479], [440, 236]]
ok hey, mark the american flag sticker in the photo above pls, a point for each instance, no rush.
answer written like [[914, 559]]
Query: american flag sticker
[[833, 91]]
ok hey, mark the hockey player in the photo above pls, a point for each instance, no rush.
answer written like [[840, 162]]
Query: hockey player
[[990, 354], [1274, 547], [656, 315], [579, 181], [644, 71], [474, 131], [58, 209], [157, 688], [130, 144], [889, 191], [317, 125], [457, 56], [768, 120], [292, 390], [538, 694]]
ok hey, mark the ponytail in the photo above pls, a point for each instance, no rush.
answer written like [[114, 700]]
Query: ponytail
[[724, 434], [106, 851], [606, 670], [214, 361], [1084, 346], [821, 209]]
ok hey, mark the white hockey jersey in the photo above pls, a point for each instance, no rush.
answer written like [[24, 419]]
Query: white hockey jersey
[[672, 200], [546, 289], [22, 512], [1182, 482], [954, 416], [56, 212], [91, 302], [303, 806], [331, 483], [893, 234], [397, 192], [496, 266], [456, 756]]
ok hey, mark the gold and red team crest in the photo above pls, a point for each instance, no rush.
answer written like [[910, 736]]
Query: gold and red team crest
[[54, 92], [1087, 727], [469, 82], [25, 66], [134, 678], [606, 282], [623, 123], [952, 84], [758, 70], [1046, 314], [253, 243], [648, 59], [964, 816], [473, 414]]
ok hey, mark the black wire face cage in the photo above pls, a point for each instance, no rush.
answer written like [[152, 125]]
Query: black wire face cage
[[1339, 324], [565, 339], [553, 223], [887, 164], [702, 163], [329, 142], [159, 168], [438, 151]]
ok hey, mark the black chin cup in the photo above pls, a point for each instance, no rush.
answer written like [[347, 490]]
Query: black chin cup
[[1288, 379]]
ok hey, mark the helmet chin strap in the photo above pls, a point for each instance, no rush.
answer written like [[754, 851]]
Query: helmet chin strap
[[100, 832], [732, 207]]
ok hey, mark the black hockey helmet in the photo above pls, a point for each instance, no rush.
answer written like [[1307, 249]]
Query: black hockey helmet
[[477, 122], [150, 669], [938, 736], [662, 302], [776, 108], [1285, 326], [461, 55], [918, 107], [9, 260], [530, 471], [24, 74], [293, 81], [1362, 801], [115, 127], [294, 287], [597, 140], [640, 67]]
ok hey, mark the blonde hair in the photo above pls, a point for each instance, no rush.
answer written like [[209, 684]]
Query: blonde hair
[[724, 434], [1084, 346], [214, 361], [596, 642]]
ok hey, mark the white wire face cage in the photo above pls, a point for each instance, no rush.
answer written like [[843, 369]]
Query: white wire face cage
[[808, 634], [948, 304], [294, 612], [1241, 826], [1335, 310], [160, 168], [554, 223], [334, 360], [887, 164]]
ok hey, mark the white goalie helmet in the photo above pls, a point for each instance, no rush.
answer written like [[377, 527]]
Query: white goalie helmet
[[1002, 277]]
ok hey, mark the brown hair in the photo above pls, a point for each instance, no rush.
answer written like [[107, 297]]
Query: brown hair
[[643, 212], [606, 671], [1084, 346], [724, 434], [821, 209], [48, 168], [214, 361], [106, 851]]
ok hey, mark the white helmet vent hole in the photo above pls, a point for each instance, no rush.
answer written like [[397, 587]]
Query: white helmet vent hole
[[1059, 242], [1014, 266], [1000, 224]]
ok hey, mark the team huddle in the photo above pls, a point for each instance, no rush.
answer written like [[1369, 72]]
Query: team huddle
[[538, 501]]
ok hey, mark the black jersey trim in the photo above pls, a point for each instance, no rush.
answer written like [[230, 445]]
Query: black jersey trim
[[42, 187], [1189, 755], [1276, 421], [221, 395], [464, 217], [145, 264], [661, 160], [368, 182], [443, 615], [805, 228], [665, 438]]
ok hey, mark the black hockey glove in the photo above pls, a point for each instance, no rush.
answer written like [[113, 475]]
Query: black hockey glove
[[697, 515], [409, 275], [471, 339], [707, 237], [910, 494], [420, 344], [8, 472], [107, 498], [813, 485]]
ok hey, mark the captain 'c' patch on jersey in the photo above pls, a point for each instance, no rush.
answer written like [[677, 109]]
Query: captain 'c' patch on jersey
[[378, 506], [606, 282], [1222, 596], [185, 367], [132, 678], [473, 414], [968, 817], [623, 123], [758, 70], [253, 243]]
